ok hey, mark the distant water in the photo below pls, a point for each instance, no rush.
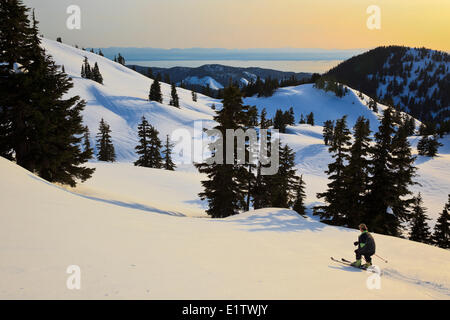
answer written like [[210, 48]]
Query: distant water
[[318, 66]]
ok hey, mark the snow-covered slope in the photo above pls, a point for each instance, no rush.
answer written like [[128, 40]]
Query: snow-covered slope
[[325, 106], [143, 233], [125, 250], [122, 101]]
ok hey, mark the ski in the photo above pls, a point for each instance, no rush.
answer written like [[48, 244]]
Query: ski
[[340, 261], [348, 263]]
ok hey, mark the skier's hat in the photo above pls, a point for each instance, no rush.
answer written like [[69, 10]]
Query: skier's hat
[[363, 226]]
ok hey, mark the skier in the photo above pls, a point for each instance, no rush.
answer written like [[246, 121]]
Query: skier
[[366, 248]]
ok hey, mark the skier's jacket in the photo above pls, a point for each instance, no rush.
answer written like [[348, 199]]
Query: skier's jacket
[[366, 243]]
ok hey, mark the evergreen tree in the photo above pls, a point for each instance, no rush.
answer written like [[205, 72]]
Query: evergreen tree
[[419, 228], [334, 212], [96, 75], [428, 146], [121, 59], [290, 117], [264, 122], [142, 149], [86, 71], [284, 182], [299, 205], [391, 174], [302, 119], [328, 128], [373, 105], [403, 173], [223, 189], [38, 128], [155, 92], [87, 149], [105, 146], [167, 155], [154, 149], [279, 121], [441, 234], [356, 174], [194, 96], [175, 101], [310, 119]]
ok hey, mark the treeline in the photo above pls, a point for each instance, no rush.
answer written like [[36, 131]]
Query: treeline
[[40, 128], [268, 86], [331, 85], [233, 188], [370, 180], [287, 118]]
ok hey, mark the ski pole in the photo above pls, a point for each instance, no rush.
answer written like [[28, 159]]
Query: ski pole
[[381, 258]]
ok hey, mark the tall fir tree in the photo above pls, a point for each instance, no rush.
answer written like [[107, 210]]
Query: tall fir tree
[[175, 101], [87, 149], [392, 173], [154, 148], [328, 128], [41, 129], [420, 230], [167, 155], [356, 174], [96, 75], [310, 119], [441, 233], [403, 171], [105, 145], [299, 205], [334, 211], [223, 189], [283, 184], [155, 92], [142, 149]]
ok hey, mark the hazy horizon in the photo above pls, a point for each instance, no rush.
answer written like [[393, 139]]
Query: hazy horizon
[[296, 24]]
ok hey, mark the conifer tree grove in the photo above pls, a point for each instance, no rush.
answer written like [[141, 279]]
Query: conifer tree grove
[[105, 147], [441, 234], [39, 129]]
